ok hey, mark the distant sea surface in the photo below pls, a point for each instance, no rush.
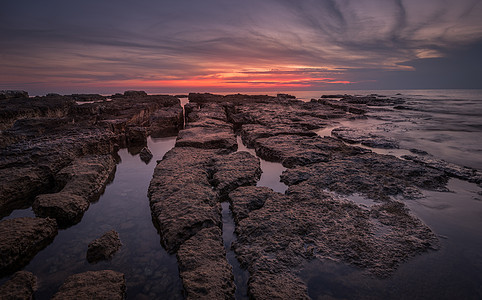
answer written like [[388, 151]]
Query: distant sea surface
[[444, 123]]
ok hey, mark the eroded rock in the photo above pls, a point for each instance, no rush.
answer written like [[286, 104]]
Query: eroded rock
[[278, 233], [21, 239], [353, 135], [82, 182], [234, 170], [42, 135], [203, 267], [373, 175], [104, 247], [207, 138], [104, 284], [22, 285], [181, 196], [145, 155]]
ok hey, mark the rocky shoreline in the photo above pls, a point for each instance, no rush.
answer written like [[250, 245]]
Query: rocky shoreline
[[59, 152]]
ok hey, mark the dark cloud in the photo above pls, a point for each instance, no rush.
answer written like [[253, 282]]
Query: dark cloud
[[47, 44]]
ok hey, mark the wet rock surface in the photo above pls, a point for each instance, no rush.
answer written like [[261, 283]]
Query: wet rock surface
[[103, 247], [353, 136], [42, 135], [22, 285], [185, 194], [59, 153], [205, 272], [373, 175], [21, 239], [278, 233], [104, 284], [82, 182]]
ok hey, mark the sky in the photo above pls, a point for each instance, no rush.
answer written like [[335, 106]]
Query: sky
[[107, 46]]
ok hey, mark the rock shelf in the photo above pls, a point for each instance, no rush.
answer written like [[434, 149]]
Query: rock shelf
[[59, 152], [278, 233]]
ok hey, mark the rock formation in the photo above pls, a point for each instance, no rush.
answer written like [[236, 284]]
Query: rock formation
[[104, 247], [83, 181], [22, 285], [104, 284], [21, 239], [279, 233]]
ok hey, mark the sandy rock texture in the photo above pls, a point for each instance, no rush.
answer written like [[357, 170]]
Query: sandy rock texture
[[22, 285], [21, 239], [185, 194], [103, 247], [103, 284], [42, 135]]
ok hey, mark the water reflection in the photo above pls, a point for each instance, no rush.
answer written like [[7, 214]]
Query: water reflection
[[240, 275], [149, 270], [271, 170], [453, 272]]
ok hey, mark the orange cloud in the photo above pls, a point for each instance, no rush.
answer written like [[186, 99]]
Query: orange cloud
[[239, 79]]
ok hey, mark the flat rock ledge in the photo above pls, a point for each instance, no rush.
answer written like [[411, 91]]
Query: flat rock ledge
[[21, 239], [82, 181], [105, 284], [203, 267], [22, 285], [185, 194], [278, 234], [39, 136], [104, 247]]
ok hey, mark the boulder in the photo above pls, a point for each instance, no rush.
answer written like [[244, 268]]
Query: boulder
[[104, 247], [145, 155]]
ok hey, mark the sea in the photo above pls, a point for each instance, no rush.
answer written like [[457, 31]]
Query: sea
[[446, 124]]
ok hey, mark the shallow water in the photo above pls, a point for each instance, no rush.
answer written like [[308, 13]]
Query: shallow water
[[439, 124], [453, 272], [240, 275], [271, 171], [449, 127], [149, 270]]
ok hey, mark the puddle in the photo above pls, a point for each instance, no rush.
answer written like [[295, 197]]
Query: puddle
[[149, 270], [20, 213], [362, 201], [325, 132], [271, 171], [240, 275]]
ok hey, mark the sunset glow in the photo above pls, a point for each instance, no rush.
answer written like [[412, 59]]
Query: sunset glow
[[173, 47]]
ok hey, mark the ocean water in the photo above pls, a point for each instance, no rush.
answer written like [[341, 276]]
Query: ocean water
[[444, 123]]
